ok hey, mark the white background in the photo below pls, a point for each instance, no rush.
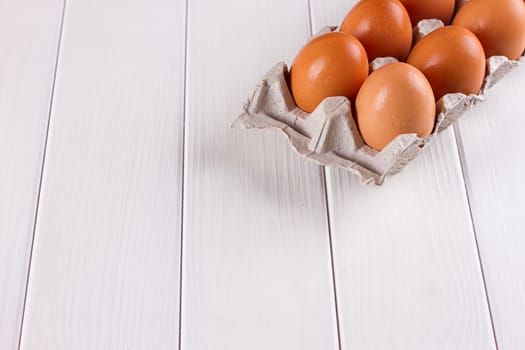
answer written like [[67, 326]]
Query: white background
[[133, 217]]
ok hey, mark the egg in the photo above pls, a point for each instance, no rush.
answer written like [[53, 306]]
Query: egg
[[395, 99], [452, 59], [498, 24], [427, 9], [333, 64], [382, 26]]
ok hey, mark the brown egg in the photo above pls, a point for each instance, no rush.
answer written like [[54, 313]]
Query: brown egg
[[452, 59], [427, 9], [333, 64], [395, 99], [498, 24], [382, 26]]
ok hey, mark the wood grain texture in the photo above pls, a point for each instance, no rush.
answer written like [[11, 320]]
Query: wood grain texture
[[105, 269], [29, 32], [493, 149], [406, 265], [256, 267]]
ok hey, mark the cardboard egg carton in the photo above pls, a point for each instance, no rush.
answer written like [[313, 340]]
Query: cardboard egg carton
[[329, 135]]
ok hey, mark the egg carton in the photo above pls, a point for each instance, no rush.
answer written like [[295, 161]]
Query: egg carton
[[329, 135]]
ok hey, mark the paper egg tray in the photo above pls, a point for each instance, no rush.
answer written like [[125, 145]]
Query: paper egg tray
[[329, 135]]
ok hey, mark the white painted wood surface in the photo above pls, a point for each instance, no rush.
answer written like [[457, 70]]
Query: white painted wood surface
[[256, 267], [405, 260], [105, 268], [493, 153], [29, 32], [406, 265], [120, 184]]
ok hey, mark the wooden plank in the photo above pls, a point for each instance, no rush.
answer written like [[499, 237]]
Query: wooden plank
[[256, 258], [29, 32], [493, 149], [105, 269], [405, 259]]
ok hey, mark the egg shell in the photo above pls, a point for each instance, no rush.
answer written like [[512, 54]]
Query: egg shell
[[382, 26], [452, 59], [332, 64], [429, 9], [498, 24], [395, 99]]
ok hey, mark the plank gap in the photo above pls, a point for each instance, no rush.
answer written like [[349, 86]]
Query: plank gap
[[39, 191], [463, 169], [332, 263], [183, 170]]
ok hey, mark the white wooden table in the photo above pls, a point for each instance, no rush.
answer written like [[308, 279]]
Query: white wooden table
[[133, 217]]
